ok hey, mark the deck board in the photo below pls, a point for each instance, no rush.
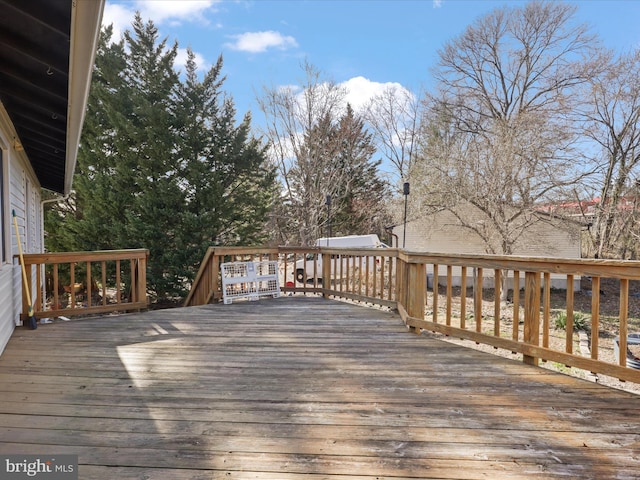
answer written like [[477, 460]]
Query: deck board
[[300, 387]]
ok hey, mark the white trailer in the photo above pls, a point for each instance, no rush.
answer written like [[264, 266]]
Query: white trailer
[[310, 268]]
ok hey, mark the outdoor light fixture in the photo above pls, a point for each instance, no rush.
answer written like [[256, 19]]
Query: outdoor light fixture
[[405, 191], [328, 204]]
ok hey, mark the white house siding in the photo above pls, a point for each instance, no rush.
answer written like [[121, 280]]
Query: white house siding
[[25, 201], [34, 236], [439, 233], [19, 181], [6, 304], [6, 266]]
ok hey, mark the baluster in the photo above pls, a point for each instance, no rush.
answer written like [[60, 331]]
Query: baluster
[[449, 293], [624, 313], [516, 306], [531, 313], [463, 298], [497, 284], [434, 290], [570, 323], [477, 300], [546, 316], [595, 316]]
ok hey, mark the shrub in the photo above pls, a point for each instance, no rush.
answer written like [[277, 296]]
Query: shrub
[[580, 321]]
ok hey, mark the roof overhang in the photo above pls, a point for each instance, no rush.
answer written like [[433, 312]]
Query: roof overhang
[[47, 51]]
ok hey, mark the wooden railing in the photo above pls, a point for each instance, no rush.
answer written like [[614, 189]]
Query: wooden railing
[[524, 324], [513, 303], [207, 285], [81, 283], [363, 274]]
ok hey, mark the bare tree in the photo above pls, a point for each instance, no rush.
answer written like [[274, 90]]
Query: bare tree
[[500, 138], [394, 117], [613, 124], [322, 152], [292, 113]]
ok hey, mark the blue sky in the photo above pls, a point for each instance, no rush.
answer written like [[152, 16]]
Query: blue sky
[[366, 44]]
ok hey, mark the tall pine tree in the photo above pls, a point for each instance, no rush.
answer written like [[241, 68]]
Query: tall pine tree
[[162, 164], [227, 181], [149, 143], [364, 193], [336, 159]]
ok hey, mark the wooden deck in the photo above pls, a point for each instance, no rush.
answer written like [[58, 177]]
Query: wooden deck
[[295, 388]]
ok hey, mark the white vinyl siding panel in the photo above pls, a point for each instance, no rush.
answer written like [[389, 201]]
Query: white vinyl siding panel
[[7, 304], [22, 195]]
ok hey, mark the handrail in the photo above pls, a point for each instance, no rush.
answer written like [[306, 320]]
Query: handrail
[[400, 279], [343, 264], [534, 276], [204, 286], [81, 283]]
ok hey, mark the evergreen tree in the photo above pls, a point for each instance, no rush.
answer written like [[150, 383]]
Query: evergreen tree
[[342, 151], [162, 164], [321, 150], [364, 193], [148, 144], [227, 181]]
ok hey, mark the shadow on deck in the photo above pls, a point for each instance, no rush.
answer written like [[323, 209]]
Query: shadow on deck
[[299, 387]]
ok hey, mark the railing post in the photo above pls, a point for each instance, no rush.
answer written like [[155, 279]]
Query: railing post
[[531, 313], [326, 274], [415, 286], [142, 279], [215, 276], [401, 291]]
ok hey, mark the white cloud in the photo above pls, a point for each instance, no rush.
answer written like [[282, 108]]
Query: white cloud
[[360, 90], [292, 88], [119, 16], [437, 3], [159, 11], [257, 42]]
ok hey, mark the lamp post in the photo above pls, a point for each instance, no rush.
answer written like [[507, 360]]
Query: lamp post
[[405, 191], [328, 204]]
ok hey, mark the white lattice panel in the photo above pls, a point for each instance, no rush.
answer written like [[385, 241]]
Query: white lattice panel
[[249, 280]]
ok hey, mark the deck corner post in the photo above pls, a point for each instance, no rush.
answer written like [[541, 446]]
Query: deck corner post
[[216, 283], [142, 262], [415, 288], [400, 291], [531, 314], [326, 274]]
